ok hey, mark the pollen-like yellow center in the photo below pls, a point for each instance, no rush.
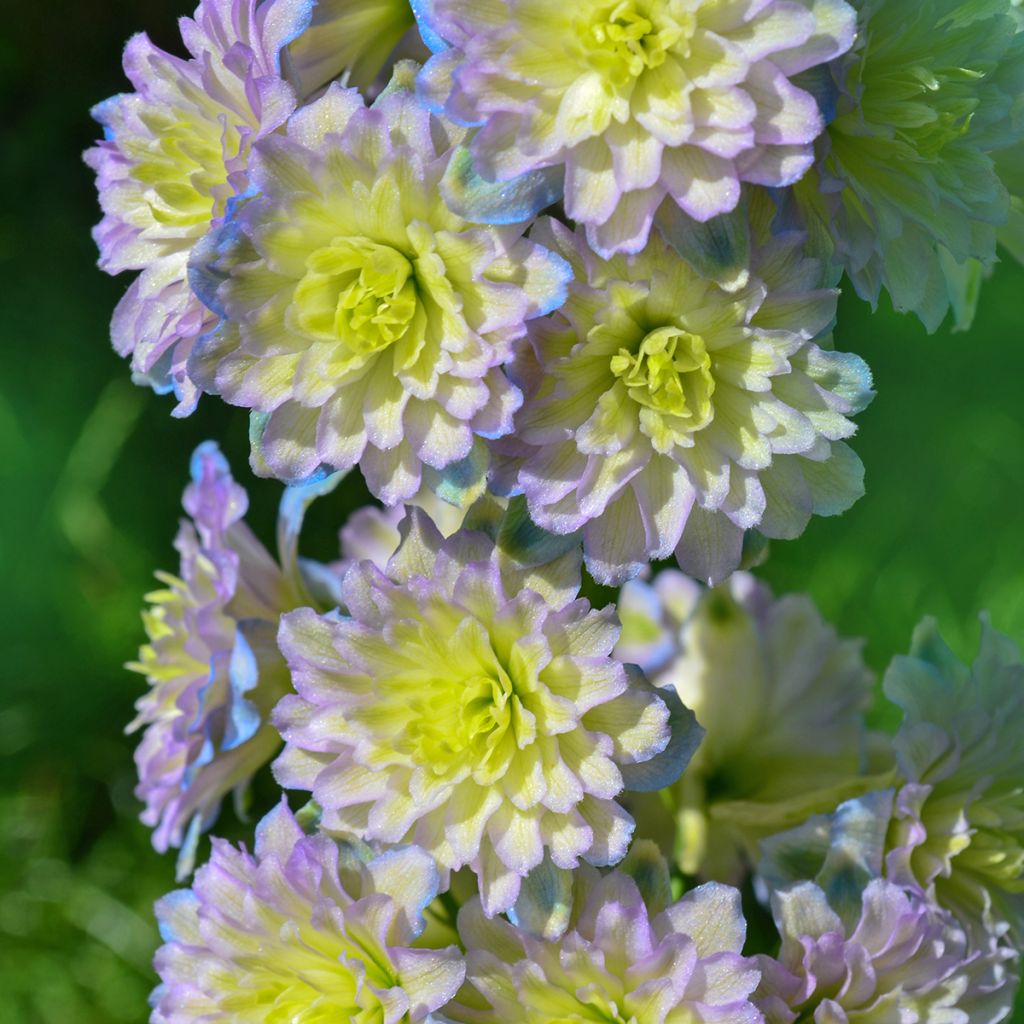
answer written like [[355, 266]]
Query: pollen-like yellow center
[[670, 373], [625, 38], [356, 292]]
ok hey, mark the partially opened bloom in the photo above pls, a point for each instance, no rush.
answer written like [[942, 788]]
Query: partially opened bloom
[[958, 824], [363, 319], [667, 414], [780, 697], [212, 663], [899, 958], [301, 930], [619, 961], [639, 100], [906, 188], [175, 153], [459, 709]]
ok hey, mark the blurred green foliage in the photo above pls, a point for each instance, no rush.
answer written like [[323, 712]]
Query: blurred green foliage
[[91, 471]]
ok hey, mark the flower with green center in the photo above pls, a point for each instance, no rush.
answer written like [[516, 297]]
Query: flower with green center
[[906, 194], [176, 152], [304, 929], [363, 320], [958, 822], [781, 699], [638, 101], [460, 708], [664, 413]]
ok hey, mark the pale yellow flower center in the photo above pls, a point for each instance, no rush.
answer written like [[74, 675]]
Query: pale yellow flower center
[[671, 374], [625, 38], [358, 292]]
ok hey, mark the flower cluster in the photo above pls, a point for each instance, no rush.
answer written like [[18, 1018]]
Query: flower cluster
[[560, 282]]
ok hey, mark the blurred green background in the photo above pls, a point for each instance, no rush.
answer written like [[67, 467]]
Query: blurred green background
[[91, 471]]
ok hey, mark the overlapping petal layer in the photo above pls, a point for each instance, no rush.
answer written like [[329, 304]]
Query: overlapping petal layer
[[364, 320], [639, 100], [664, 413], [302, 930], [897, 957], [619, 962], [175, 153], [462, 711], [212, 662]]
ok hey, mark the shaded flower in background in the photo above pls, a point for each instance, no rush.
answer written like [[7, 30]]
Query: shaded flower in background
[[459, 709], [302, 930], [175, 153], [365, 320], [958, 823], [780, 697], [906, 193], [639, 100], [664, 413], [621, 960], [898, 958], [212, 663], [350, 37]]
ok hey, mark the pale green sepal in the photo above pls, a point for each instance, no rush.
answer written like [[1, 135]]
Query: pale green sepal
[[498, 202], [308, 817], [257, 428], [295, 502], [1011, 234], [718, 250], [647, 866], [526, 543], [963, 282], [544, 907], [463, 482]]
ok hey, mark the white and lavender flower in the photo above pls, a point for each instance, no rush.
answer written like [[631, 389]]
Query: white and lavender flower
[[175, 153], [637, 100], [458, 708], [897, 958], [619, 960], [664, 413], [303, 929], [363, 320]]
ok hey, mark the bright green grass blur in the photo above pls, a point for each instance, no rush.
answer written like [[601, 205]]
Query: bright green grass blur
[[91, 471]]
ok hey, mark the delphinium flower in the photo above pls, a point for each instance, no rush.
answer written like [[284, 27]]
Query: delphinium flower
[[353, 38], [212, 663], [473, 710], [958, 822], [174, 155], [906, 190], [302, 930], [781, 699], [639, 100], [619, 961], [899, 959], [365, 321], [664, 413]]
